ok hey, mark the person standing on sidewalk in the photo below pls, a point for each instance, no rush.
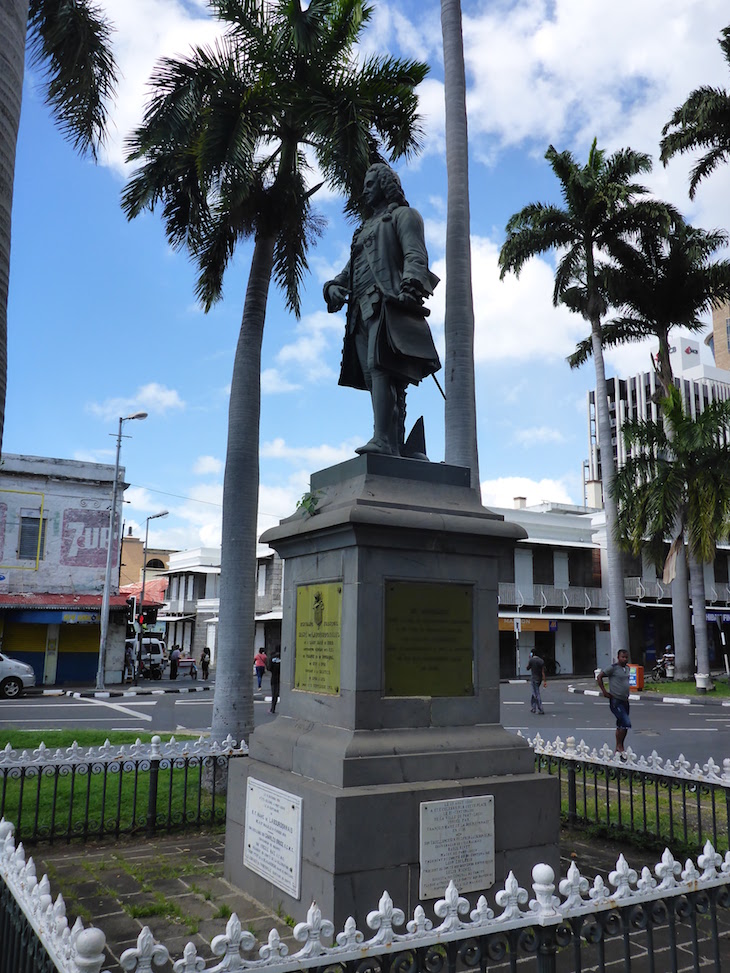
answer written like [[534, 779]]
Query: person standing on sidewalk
[[205, 661], [174, 661], [536, 667], [275, 670], [618, 695], [259, 661]]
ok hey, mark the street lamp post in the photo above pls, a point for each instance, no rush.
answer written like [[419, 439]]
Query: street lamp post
[[162, 513], [109, 553]]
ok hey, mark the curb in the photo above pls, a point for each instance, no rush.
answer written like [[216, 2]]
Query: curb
[[656, 698], [121, 693]]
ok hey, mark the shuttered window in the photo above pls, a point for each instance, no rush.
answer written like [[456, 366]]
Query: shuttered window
[[28, 545]]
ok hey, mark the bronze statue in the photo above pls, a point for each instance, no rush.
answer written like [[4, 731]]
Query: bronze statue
[[388, 343]]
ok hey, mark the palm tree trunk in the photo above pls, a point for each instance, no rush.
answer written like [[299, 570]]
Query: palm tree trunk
[[13, 28], [681, 620], [616, 593], [460, 408], [233, 697], [699, 613]]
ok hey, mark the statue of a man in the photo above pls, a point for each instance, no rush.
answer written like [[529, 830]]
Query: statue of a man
[[388, 343]]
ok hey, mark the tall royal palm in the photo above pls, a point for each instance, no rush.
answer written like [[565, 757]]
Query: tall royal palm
[[69, 40], [660, 282], [602, 206], [460, 407], [702, 122], [223, 148], [678, 470]]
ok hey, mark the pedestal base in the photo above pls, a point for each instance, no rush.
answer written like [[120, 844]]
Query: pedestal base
[[359, 841]]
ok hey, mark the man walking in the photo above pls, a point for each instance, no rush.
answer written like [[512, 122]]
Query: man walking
[[536, 667], [618, 695]]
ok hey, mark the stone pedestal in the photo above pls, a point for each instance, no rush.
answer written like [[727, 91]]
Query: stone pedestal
[[389, 690]]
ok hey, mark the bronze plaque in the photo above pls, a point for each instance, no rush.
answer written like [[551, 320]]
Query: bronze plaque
[[318, 638], [429, 639]]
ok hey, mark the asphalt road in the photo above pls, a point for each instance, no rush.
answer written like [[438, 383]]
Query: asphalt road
[[698, 732]]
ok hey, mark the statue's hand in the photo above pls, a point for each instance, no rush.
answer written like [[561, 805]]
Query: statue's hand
[[411, 291], [336, 297]]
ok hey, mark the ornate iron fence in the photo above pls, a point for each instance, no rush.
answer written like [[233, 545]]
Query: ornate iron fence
[[633, 922], [668, 801], [110, 791]]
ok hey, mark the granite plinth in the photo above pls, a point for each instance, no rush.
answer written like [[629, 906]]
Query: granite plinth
[[360, 757]]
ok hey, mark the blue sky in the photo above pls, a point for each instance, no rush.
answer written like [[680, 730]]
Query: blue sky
[[102, 316]]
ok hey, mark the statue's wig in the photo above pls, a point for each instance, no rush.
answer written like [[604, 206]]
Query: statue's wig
[[389, 183]]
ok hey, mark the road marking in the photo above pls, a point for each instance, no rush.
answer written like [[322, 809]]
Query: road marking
[[9, 724], [513, 702], [693, 729], [117, 707], [196, 702]]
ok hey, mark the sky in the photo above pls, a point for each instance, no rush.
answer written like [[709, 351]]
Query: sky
[[103, 320]]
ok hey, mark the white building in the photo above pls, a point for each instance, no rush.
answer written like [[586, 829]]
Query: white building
[[191, 611]]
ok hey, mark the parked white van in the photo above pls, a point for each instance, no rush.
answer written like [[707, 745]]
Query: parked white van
[[153, 651]]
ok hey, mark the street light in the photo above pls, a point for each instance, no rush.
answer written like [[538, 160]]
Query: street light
[[108, 573], [162, 513]]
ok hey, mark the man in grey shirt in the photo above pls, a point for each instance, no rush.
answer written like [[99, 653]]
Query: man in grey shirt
[[618, 695]]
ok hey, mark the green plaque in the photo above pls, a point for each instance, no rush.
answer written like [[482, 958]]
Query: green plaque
[[429, 639], [318, 638]]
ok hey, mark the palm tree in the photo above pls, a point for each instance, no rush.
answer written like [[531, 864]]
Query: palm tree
[[661, 282], [678, 471], [69, 39], [460, 408], [702, 122], [223, 151], [600, 210]]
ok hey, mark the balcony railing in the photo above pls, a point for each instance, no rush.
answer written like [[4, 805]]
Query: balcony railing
[[549, 598]]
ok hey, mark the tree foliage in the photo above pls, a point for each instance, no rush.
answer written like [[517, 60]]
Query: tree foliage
[[702, 122], [232, 132]]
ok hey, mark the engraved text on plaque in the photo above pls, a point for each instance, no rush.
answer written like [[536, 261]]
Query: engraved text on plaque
[[457, 842], [272, 843]]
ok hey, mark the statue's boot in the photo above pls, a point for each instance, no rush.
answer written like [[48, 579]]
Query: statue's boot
[[385, 413]]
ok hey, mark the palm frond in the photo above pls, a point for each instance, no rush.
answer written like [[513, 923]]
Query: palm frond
[[70, 44]]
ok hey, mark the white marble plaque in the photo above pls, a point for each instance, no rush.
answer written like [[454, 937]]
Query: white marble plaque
[[272, 843], [457, 842]]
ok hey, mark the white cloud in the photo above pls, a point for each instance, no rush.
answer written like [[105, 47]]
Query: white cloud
[[537, 435], [315, 335], [273, 382], [514, 318], [502, 491], [313, 457], [207, 464], [155, 399]]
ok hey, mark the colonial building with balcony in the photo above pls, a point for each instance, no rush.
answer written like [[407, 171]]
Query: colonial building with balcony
[[551, 597]]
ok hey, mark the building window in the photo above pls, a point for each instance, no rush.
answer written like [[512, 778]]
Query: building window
[[28, 549], [261, 589], [727, 331], [543, 571], [721, 572], [582, 567]]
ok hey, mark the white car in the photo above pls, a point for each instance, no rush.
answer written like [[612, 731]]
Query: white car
[[14, 677]]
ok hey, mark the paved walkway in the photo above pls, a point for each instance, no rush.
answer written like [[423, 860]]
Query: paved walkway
[[175, 886]]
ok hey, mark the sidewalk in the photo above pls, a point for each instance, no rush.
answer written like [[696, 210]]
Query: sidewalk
[[174, 885], [587, 687], [145, 687]]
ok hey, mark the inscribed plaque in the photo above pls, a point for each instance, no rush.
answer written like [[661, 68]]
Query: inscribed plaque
[[457, 842], [318, 638], [272, 843], [429, 637]]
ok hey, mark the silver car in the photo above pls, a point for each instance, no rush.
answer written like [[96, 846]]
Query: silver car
[[14, 677]]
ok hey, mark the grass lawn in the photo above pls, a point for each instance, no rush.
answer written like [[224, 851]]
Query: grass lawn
[[61, 739], [686, 687], [94, 800]]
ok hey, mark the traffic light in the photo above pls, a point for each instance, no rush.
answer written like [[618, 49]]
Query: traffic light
[[131, 609], [140, 618]]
